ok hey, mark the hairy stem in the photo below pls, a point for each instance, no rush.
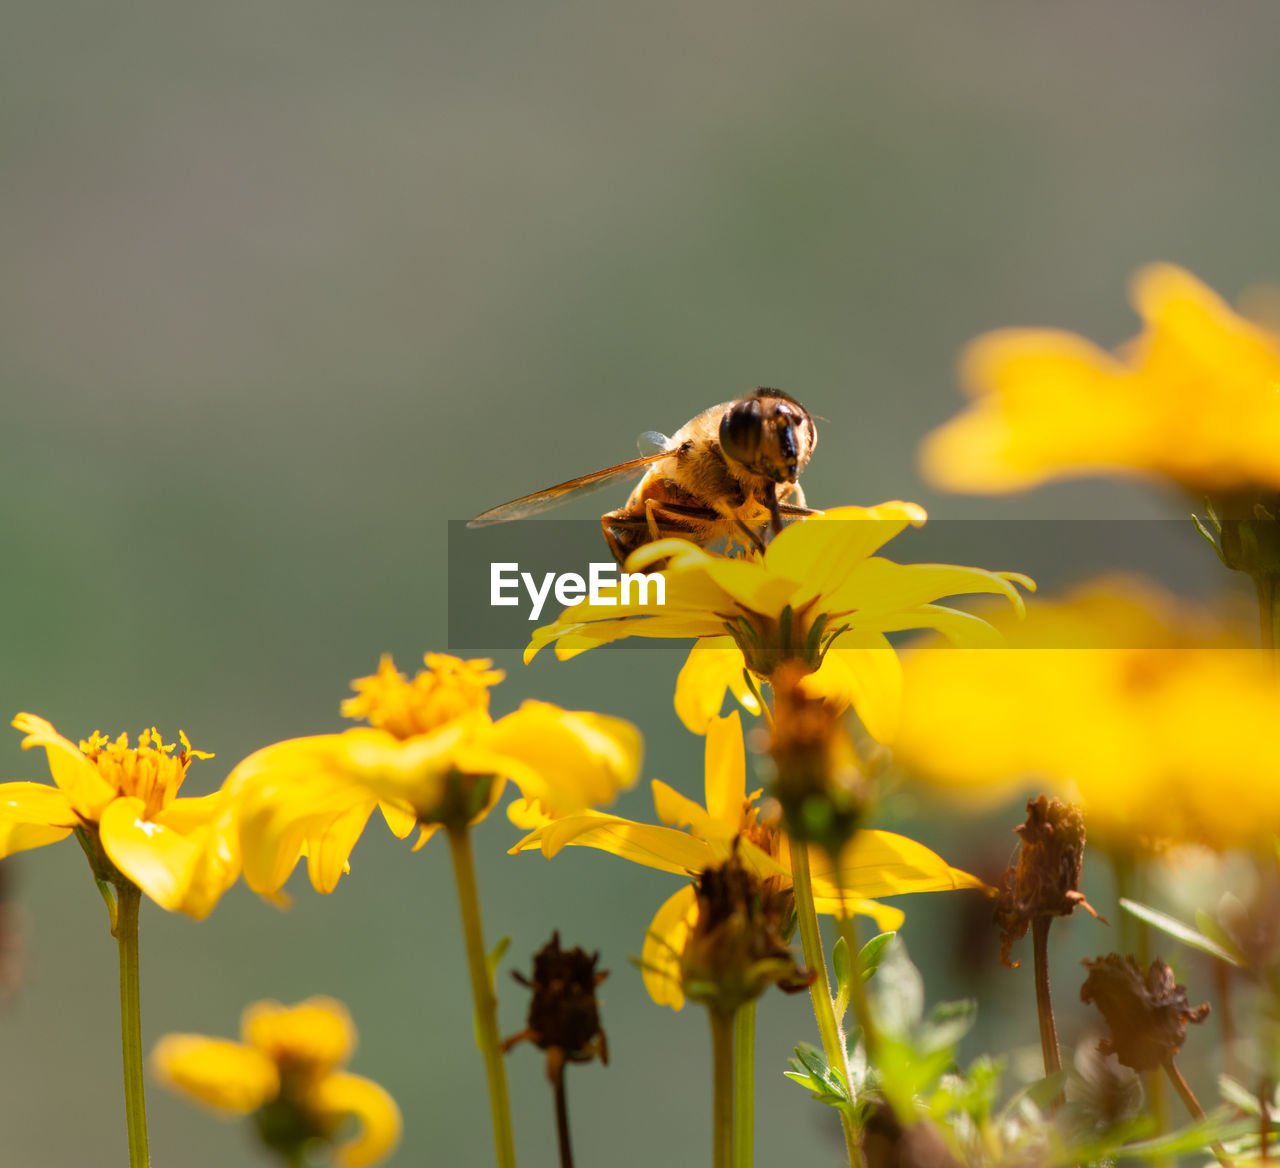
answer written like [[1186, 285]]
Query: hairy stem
[[820, 991]]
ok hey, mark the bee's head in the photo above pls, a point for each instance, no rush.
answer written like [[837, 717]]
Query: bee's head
[[770, 434]]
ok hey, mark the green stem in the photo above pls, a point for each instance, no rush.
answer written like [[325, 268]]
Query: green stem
[[744, 1084], [482, 992], [820, 991], [128, 899], [722, 1026], [1268, 612]]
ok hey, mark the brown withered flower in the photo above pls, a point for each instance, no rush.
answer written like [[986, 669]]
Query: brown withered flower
[[736, 950], [886, 1143], [1146, 1017], [1045, 880], [564, 1018], [820, 782]]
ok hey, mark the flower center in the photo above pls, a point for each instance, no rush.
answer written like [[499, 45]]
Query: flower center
[[405, 707], [149, 771]]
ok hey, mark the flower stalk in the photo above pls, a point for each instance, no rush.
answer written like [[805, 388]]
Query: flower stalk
[[744, 1085], [1192, 1104], [722, 1064], [486, 1004], [820, 991], [1044, 1002], [128, 899]]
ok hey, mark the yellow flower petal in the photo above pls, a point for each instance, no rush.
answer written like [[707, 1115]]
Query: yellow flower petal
[[820, 553], [329, 849], [580, 759], [725, 767], [372, 1108], [714, 664], [209, 823], [158, 859], [664, 945], [319, 1031], [862, 670], [663, 848], [882, 863], [675, 810], [87, 790], [31, 815], [282, 820], [215, 1071]]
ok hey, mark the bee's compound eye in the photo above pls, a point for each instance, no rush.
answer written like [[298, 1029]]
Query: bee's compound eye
[[740, 431]]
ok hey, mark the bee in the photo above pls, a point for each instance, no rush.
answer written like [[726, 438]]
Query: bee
[[730, 473]]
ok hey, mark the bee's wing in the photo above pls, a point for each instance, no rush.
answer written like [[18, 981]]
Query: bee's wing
[[541, 501], [653, 442]]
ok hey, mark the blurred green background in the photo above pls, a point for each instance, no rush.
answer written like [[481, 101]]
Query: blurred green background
[[286, 286]]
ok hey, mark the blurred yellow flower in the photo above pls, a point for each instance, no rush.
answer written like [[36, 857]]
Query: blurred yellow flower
[[432, 756], [818, 595], [1194, 399], [180, 852], [878, 863], [1118, 697], [287, 1070]]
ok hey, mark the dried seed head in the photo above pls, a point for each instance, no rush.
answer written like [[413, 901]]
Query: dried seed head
[[1146, 1017], [1045, 881], [564, 1018], [735, 951]]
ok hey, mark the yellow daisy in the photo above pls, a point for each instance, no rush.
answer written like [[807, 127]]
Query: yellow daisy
[[287, 1070], [1119, 697], [877, 863], [432, 756], [1194, 399], [124, 802], [819, 595]]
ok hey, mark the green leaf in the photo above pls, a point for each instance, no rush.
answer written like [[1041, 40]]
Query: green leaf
[[494, 959], [1217, 1126], [1209, 537], [844, 978], [1211, 929], [871, 954], [1179, 931], [1237, 1094], [900, 997], [948, 1023], [810, 1070]]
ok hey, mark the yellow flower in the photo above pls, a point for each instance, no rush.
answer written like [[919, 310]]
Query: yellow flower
[[432, 756], [878, 863], [180, 852], [1152, 718], [819, 595], [288, 1071], [1195, 399]]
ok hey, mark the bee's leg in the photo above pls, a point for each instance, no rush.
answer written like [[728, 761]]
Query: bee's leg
[[650, 507], [797, 504], [606, 525], [754, 536]]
